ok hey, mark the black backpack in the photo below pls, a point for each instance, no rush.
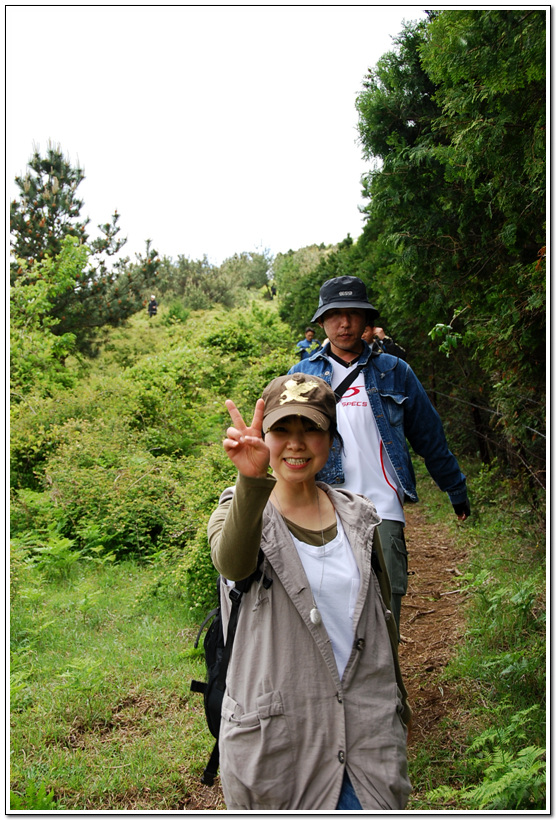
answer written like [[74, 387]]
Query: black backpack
[[217, 657]]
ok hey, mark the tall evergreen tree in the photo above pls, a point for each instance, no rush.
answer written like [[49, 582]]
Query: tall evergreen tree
[[490, 68], [48, 209], [453, 121]]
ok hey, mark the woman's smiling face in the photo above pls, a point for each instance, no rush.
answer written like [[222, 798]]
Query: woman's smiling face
[[298, 448]]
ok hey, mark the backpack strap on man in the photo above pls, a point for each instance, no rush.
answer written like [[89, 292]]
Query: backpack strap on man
[[343, 386]]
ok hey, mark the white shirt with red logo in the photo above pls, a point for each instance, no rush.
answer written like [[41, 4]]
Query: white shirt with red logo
[[366, 464]]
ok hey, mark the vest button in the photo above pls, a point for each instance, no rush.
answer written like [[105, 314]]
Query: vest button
[[359, 644], [387, 615], [341, 757], [339, 697]]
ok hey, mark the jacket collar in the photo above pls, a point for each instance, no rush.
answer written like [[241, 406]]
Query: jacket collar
[[369, 352]]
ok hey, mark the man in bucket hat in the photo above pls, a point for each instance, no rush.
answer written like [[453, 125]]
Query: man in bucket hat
[[378, 410]]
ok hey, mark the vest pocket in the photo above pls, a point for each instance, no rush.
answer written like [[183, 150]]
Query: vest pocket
[[256, 749]]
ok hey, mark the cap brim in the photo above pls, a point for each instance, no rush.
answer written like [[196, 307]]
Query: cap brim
[[366, 306], [296, 410]]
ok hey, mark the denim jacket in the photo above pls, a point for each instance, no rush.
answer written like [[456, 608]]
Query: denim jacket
[[403, 411]]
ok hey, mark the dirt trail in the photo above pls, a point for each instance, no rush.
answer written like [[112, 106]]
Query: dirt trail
[[431, 621], [431, 624]]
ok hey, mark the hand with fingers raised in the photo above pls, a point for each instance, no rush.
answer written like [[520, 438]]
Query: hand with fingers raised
[[244, 445]]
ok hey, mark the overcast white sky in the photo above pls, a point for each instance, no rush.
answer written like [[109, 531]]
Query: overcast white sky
[[211, 129]]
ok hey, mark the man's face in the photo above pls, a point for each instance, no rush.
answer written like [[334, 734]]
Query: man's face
[[310, 335], [368, 334], [344, 328]]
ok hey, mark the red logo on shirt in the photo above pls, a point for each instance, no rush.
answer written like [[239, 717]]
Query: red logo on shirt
[[351, 393]]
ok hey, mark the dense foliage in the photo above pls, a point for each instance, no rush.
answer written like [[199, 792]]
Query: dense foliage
[[114, 479], [195, 284], [453, 249], [37, 353], [118, 458], [188, 284], [124, 462]]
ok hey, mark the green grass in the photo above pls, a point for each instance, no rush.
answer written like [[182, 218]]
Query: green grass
[[493, 754], [101, 712], [102, 717], [101, 652]]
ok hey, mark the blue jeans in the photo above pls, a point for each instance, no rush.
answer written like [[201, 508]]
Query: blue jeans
[[348, 800]]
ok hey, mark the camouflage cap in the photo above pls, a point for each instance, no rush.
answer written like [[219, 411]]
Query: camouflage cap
[[299, 394]]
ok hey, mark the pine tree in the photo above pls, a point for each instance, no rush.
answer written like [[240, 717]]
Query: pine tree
[[48, 208], [109, 290]]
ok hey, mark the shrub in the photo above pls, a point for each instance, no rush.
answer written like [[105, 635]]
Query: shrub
[[250, 334], [511, 771], [110, 493], [189, 574], [176, 313], [37, 425]]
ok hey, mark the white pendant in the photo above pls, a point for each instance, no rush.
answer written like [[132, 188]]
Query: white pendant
[[315, 616]]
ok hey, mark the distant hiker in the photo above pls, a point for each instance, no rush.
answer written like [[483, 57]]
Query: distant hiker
[[153, 305], [315, 711], [272, 291], [383, 406], [386, 343], [309, 345]]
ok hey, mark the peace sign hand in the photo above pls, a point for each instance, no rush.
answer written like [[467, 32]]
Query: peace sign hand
[[244, 445]]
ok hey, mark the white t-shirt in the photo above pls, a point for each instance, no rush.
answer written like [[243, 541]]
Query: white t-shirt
[[366, 464], [333, 576]]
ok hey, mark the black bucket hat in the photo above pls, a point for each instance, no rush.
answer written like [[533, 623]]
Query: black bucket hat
[[344, 292]]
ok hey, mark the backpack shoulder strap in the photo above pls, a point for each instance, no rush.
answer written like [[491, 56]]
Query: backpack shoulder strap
[[211, 769], [236, 594], [343, 386], [211, 614]]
